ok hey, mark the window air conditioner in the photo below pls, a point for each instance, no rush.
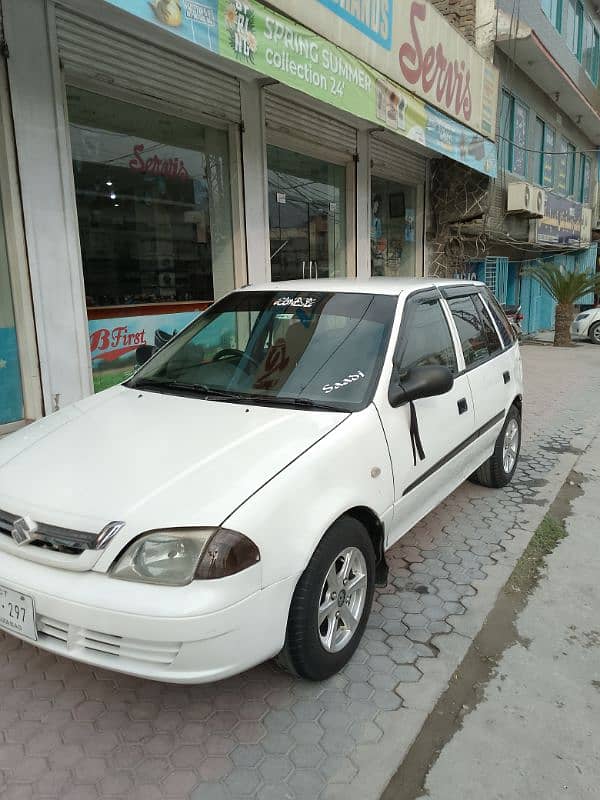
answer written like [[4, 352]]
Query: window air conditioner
[[524, 198]]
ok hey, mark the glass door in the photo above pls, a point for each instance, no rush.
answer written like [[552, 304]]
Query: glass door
[[393, 228], [307, 216]]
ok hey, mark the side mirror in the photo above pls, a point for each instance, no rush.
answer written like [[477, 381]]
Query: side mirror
[[428, 381], [142, 354]]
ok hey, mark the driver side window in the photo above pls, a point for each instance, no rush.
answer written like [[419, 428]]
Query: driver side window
[[425, 336]]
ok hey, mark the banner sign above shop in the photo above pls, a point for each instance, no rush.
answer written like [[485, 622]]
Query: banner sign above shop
[[562, 222], [253, 35], [415, 46]]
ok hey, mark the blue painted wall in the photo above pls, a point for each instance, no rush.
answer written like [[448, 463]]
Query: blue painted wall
[[11, 395]]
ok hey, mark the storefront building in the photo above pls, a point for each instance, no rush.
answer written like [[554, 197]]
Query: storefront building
[[170, 151]]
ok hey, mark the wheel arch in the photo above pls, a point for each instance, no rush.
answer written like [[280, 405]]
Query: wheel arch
[[376, 530], [518, 403]]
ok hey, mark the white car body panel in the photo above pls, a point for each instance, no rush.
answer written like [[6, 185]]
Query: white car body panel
[[299, 505], [122, 463], [581, 327], [281, 476]]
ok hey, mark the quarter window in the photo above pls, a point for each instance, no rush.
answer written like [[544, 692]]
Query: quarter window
[[493, 342], [475, 336], [425, 337], [503, 325]]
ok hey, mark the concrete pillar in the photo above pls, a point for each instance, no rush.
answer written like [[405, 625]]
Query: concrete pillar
[[363, 206], [48, 198], [255, 182]]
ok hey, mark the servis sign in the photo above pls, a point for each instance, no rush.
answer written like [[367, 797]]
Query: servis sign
[[413, 44]]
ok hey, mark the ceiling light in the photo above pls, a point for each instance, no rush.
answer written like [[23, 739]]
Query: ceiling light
[[113, 196]]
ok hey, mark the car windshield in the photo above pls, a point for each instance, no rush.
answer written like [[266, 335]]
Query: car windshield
[[304, 349]]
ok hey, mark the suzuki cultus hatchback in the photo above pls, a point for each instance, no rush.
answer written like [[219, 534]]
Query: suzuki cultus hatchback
[[234, 500]]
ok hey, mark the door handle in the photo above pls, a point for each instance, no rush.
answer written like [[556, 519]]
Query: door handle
[[303, 266], [506, 376], [310, 263], [462, 405]]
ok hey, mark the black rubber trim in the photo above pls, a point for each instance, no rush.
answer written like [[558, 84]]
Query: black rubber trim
[[461, 290], [454, 452]]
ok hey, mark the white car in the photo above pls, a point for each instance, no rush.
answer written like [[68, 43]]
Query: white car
[[587, 324], [233, 501]]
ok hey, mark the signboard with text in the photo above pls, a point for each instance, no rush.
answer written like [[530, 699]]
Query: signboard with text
[[273, 45], [562, 222], [413, 44]]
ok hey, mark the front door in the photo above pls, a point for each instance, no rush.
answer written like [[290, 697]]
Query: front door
[[307, 216], [444, 422]]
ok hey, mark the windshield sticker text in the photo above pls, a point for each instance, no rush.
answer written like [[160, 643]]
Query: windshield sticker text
[[352, 378], [295, 302]]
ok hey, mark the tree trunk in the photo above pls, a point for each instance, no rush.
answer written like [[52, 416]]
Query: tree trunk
[[562, 325]]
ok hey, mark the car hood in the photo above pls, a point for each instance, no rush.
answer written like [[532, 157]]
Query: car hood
[[150, 459]]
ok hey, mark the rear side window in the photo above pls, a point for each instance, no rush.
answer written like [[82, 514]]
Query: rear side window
[[475, 336], [493, 342], [425, 336], [503, 325]]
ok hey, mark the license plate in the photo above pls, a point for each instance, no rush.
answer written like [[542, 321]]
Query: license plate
[[17, 613]]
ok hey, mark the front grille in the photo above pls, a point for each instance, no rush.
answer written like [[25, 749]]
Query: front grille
[[71, 637], [61, 540]]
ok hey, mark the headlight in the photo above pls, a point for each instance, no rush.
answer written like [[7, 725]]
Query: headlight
[[175, 557], [582, 316]]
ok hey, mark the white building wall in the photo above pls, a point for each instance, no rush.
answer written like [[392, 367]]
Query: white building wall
[[48, 204]]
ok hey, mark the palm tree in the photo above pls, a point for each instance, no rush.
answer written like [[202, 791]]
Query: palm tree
[[565, 287]]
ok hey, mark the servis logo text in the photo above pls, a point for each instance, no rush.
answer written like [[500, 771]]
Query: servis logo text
[[430, 69]]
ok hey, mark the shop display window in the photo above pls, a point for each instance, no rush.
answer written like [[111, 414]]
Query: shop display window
[[153, 196], [393, 228]]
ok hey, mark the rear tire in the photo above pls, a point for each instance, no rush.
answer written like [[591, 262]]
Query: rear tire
[[498, 470], [594, 333], [331, 603]]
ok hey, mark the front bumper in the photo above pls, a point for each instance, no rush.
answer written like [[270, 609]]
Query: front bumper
[[580, 328], [73, 620]]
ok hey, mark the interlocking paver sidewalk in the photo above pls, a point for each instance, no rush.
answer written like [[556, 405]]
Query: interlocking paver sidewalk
[[70, 731]]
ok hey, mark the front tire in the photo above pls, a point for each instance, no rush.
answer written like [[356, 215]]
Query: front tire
[[498, 470], [594, 333], [331, 603]]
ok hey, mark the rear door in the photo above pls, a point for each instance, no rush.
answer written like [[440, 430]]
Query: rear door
[[444, 422], [489, 366]]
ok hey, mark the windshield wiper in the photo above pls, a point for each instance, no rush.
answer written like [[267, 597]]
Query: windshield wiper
[[296, 402], [235, 397], [150, 383]]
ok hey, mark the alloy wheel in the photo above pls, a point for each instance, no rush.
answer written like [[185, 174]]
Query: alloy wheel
[[342, 599], [510, 446]]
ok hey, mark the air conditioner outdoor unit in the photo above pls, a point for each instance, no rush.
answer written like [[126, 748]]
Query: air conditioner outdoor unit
[[524, 198], [586, 226]]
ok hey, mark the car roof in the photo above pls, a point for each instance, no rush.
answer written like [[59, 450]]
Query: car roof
[[389, 286]]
